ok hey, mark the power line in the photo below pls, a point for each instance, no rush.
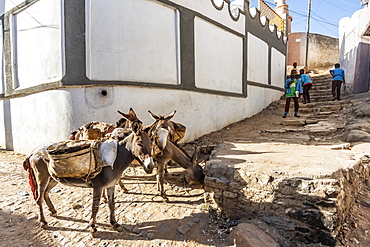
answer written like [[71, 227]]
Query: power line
[[331, 31], [338, 7], [319, 5], [324, 20]]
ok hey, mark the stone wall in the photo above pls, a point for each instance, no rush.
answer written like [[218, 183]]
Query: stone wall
[[323, 51], [302, 209]]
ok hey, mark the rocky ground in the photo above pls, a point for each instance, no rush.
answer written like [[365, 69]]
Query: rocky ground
[[185, 220]]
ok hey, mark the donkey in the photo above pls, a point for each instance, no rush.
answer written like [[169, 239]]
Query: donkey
[[95, 130], [163, 134], [174, 153], [136, 145]]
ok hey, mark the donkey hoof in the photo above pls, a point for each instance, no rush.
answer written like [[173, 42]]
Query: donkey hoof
[[53, 214], [165, 199], [93, 231], [44, 225], [118, 228]]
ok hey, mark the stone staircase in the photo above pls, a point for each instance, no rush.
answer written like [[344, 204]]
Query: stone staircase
[[321, 88], [322, 116]]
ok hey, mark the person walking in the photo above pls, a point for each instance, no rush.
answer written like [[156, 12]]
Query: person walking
[[293, 89], [306, 84], [294, 68], [338, 79]]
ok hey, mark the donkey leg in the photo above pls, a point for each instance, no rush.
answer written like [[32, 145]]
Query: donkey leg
[[125, 190], [52, 183], [40, 198], [113, 221], [95, 208], [160, 181], [42, 178]]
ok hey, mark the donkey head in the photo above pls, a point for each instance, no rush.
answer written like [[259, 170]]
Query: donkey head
[[162, 129], [195, 171], [162, 121], [141, 148], [129, 120]]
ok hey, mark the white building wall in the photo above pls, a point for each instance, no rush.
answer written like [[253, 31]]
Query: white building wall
[[51, 115], [37, 39], [218, 58], [278, 65], [2, 124], [128, 45], [140, 50], [257, 60], [206, 8], [351, 31], [40, 118], [2, 64]]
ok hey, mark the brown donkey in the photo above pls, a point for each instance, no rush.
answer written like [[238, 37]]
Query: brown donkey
[[136, 145], [163, 133]]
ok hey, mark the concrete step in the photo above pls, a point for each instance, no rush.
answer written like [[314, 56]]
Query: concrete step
[[320, 91], [294, 122], [321, 87], [327, 94], [321, 98]]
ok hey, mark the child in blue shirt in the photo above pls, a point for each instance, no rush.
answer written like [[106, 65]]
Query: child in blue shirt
[[293, 89], [306, 84], [338, 79]]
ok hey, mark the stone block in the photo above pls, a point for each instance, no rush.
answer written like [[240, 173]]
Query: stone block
[[249, 235], [294, 122], [215, 183], [229, 194]]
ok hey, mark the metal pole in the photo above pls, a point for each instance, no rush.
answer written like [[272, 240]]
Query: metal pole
[[308, 30]]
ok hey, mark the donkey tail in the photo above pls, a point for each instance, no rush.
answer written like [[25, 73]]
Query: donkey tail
[[31, 177]]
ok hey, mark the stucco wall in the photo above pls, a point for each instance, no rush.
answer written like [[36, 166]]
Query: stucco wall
[[218, 65], [184, 55], [37, 39], [355, 50], [51, 115]]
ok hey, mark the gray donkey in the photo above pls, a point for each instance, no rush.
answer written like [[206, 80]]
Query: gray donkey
[[135, 145]]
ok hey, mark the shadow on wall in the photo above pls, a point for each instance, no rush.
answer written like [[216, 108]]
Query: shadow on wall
[[361, 80], [347, 62], [356, 64]]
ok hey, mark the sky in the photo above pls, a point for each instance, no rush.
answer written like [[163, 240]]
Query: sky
[[325, 14]]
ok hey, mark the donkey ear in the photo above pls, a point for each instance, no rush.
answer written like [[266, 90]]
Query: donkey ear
[[136, 127], [153, 115], [170, 116], [195, 156], [132, 113], [127, 116]]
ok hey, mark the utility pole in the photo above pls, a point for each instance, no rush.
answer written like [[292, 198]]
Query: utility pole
[[308, 30]]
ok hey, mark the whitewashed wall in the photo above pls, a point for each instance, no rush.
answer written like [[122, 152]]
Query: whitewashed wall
[[134, 48], [2, 65], [37, 38], [218, 58], [140, 50], [351, 31], [200, 113], [206, 8], [257, 60], [278, 65]]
